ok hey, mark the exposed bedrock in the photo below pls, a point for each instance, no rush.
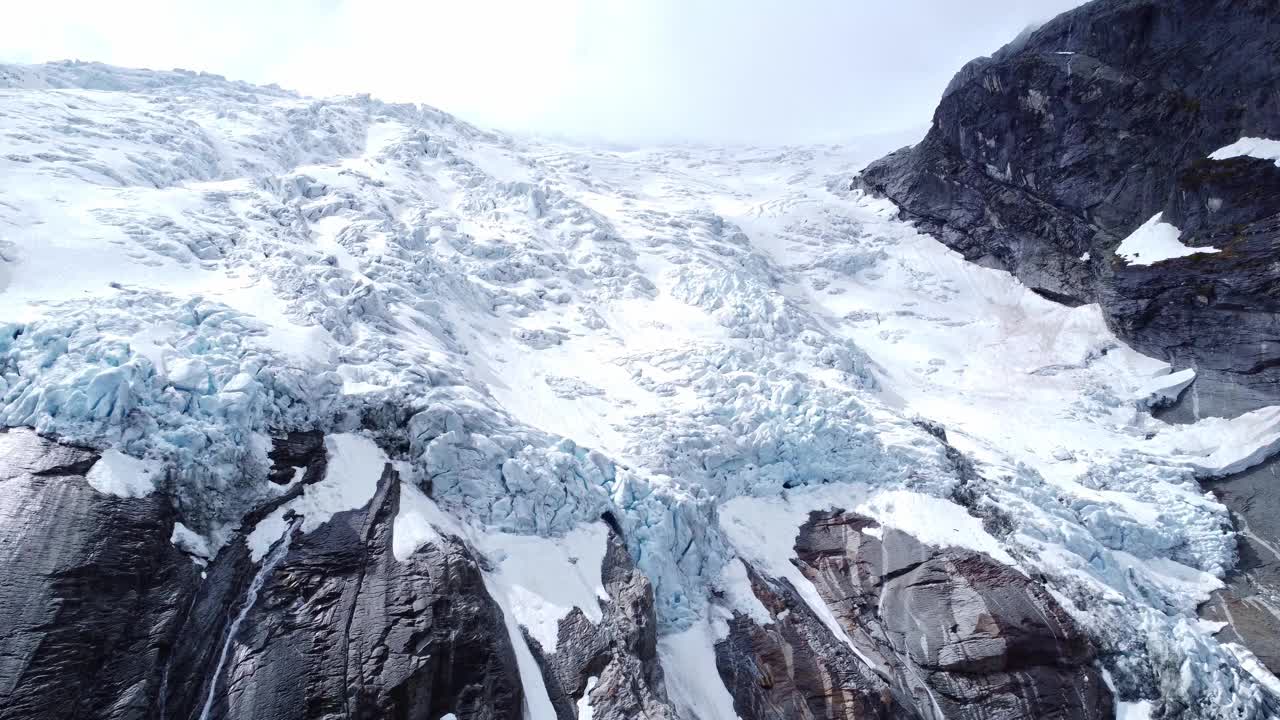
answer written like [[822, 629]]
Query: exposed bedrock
[[101, 616], [1250, 602], [295, 452], [92, 593], [342, 629], [946, 632], [619, 652], [795, 667], [1042, 158]]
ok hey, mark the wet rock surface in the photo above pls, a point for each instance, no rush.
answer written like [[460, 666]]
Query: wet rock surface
[[1042, 158], [92, 593], [102, 617], [958, 634], [620, 651], [343, 629]]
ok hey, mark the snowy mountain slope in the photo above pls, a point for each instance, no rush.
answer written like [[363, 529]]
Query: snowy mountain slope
[[702, 345]]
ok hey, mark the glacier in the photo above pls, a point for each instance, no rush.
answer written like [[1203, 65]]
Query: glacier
[[689, 341]]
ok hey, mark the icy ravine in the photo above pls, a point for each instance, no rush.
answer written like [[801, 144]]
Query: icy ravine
[[544, 333]]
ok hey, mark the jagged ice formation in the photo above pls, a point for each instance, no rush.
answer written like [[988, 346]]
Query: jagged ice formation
[[536, 335]]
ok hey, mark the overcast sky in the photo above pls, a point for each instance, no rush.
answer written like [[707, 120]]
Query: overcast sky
[[621, 70]]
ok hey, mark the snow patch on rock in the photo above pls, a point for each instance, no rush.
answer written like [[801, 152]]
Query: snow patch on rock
[[932, 521], [1156, 241], [543, 579], [585, 711], [1216, 447], [1163, 389], [190, 542], [350, 482], [1254, 147], [736, 586], [537, 702], [417, 522]]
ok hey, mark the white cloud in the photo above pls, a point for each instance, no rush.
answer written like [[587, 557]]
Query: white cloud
[[710, 70]]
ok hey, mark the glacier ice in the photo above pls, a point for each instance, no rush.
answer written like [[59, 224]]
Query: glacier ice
[[540, 335]]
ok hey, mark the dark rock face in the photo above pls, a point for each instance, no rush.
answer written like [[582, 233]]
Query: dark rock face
[[1250, 601], [295, 451], [939, 633], [620, 651], [1067, 140], [794, 667], [341, 628], [92, 593], [959, 634], [102, 617]]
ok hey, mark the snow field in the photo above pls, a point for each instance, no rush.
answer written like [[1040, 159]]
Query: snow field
[[696, 340]]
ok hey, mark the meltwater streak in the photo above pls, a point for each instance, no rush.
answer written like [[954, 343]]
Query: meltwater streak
[[250, 599]]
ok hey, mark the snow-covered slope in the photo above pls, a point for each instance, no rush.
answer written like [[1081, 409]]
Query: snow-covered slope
[[702, 343]]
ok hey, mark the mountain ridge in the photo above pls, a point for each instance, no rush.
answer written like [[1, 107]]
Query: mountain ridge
[[547, 354]]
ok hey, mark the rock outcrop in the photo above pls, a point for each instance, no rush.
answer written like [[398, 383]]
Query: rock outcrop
[[795, 667], [959, 634], [295, 453], [92, 593], [614, 663], [1249, 602], [341, 628], [935, 632], [101, 616], [1042, 158]]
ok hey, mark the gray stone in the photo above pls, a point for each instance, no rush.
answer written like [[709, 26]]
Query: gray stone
[[959, 634], [620, 651], [102, 617], [1250, 602], [795, 668]]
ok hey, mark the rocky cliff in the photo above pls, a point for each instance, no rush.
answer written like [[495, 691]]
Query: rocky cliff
[[92, 593], [1058, 157], [99, 624], [934, 633], [961, 635], [1043, 158], [332, 624]]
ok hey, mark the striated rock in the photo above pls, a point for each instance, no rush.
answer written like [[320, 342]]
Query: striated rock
[[620, 652], [92, 593], [341, 628], [961, 635], [102, 617], [1042, 158], [794, 667], [1249, 602]]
